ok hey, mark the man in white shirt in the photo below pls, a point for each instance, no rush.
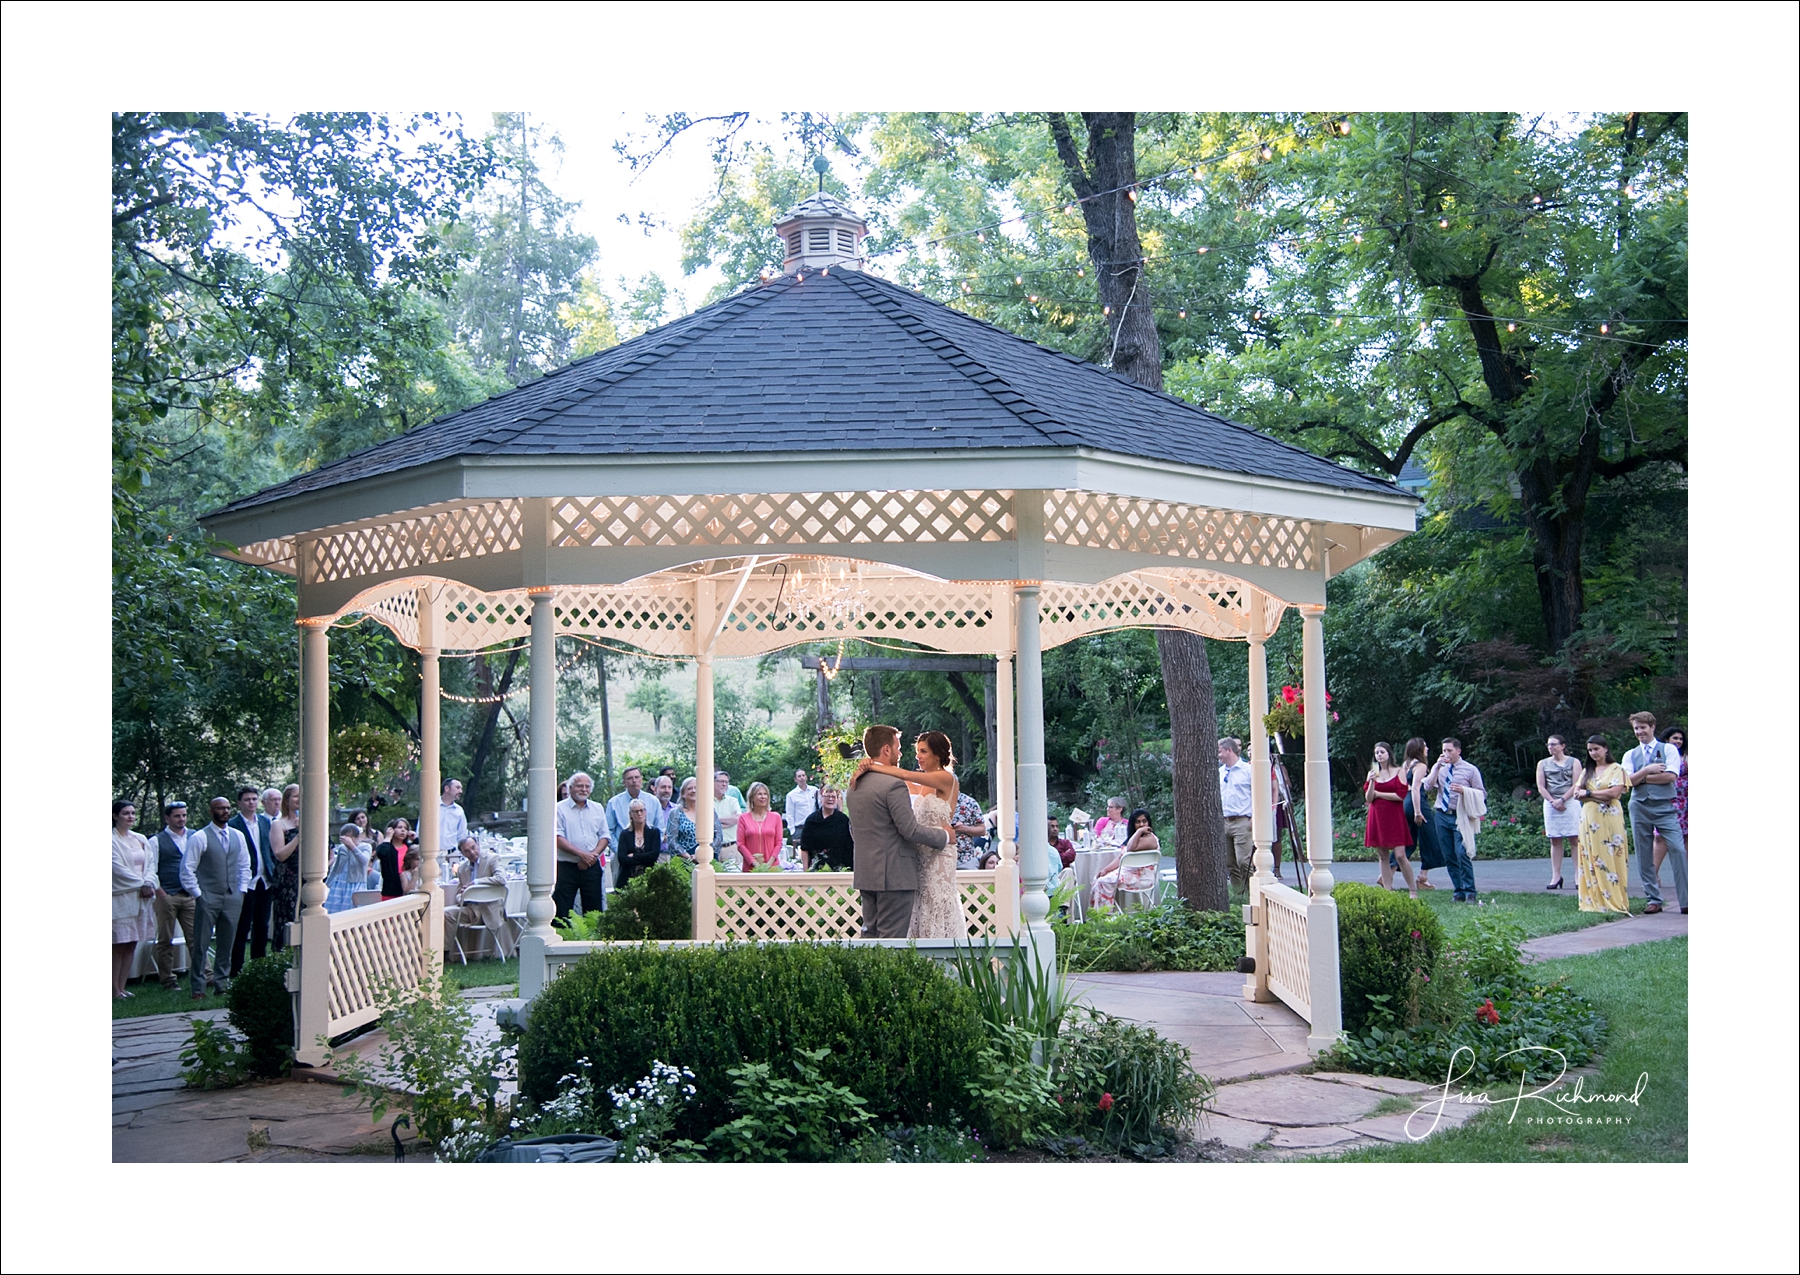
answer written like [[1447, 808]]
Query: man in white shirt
[[1234, 802], [1450, 777], [215, 869], [727, 805], [581, 845], [801, 802], [1651, 770], [271, 803], [253, 924], [173, 904], [453, 824]]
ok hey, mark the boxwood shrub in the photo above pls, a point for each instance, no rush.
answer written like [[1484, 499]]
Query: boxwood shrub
[[901, 1033], [262, 1009], [1377, 953]]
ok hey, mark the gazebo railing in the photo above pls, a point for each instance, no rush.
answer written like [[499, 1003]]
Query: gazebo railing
[[1284, 914], [363, 948], [825, 906]]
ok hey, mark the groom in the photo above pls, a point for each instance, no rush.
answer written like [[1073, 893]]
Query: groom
[[884, 832]]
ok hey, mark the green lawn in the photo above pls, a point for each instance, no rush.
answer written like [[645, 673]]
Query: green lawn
[[1643, 991], [1536, 914], [148, 996]]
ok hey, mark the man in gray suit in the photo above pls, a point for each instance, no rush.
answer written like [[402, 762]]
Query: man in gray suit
[[478, 867], [884, 832]]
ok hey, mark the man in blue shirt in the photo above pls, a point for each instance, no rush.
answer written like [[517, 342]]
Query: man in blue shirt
[[1651, 770], [1450, 778]]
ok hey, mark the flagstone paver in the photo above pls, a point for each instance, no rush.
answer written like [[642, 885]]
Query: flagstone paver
[[1625, 932]]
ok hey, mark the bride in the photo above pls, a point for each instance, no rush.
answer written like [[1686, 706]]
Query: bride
[[937, 907]]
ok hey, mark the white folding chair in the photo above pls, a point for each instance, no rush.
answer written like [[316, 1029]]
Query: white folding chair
[[362, 898], [1170, 887], [472, 919], [1128, 899]]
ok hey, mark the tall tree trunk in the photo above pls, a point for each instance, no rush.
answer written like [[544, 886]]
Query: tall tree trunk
[[489, 688], [1104, 183]]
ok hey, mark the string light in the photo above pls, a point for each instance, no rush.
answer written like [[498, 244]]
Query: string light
[[1203, 250], [1604, 329], [1443, 223], [1357, 237], [1512, 327], [1132, 195], [1183, 313], [1019, 279], [1267, 153]]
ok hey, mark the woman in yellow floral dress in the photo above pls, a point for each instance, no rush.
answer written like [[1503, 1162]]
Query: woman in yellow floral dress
[[1601, 880]]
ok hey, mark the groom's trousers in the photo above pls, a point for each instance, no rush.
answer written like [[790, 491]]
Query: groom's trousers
[[886, 914]]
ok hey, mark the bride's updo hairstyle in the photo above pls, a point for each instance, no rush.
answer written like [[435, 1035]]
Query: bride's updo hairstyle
[[939, 744]]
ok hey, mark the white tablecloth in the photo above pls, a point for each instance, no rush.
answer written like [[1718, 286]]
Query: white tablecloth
[[1090, 866]]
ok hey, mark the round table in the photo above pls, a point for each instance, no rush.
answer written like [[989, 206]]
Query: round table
[[1089, 867]]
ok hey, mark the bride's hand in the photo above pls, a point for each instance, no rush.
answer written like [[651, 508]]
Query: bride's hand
[[862, 768]]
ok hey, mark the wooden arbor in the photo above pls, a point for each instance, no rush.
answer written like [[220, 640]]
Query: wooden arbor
[[825, 455]]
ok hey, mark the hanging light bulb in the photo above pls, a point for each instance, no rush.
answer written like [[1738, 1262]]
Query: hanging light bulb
[[1080, 273], [1629, 192], [1267, 153], [1131, 195], [1512, 327], [1203, 251], [1537, 199], [1032, 299], [981, 236], [1443, 223], [1107, 310], [1182, 313], [1358, 238], [1338, 322], [1257, 317], [1604, 329], [1019, 279], [1421, 325]]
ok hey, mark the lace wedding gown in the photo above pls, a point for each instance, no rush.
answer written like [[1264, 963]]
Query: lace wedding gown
[[937, 907]]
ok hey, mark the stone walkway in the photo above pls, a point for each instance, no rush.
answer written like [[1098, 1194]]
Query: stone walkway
[[1498, 876], [1598, 938]]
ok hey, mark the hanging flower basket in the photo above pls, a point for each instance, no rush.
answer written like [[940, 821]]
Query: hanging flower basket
[[1287, 718]]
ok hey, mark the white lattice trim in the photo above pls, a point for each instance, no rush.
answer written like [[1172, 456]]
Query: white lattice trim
[[276, 554], [383, 942], [795, 518], [1284, 912], [1205, 602], [446, 535], [1096, 520], [811, 906]]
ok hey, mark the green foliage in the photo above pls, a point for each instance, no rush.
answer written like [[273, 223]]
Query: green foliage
[[361, 754], [1169, 936], [1387, 945], [213, 1058], [262, 1009], [807, 1119], [1124, 1086], [922, 1144], [452, 1080], [656, 904], [654, 697], [1011, 1092], [901, 1035], [1013, 989]]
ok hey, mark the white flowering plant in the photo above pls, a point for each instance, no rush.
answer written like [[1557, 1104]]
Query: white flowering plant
[[643, 1114]]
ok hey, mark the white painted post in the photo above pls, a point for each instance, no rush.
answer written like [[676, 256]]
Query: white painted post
[[705, 875], [1324, 992], [1262, 832], [1034, 797], [540, 821], [312, 932], [1006, 880], [430, 769]]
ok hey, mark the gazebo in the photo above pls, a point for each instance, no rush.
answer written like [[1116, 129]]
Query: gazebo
[[825, 455]]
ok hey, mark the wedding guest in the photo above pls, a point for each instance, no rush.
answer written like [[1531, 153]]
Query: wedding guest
[[562, 791], [1677, 739], [1558, 776], [284, 885], [389, 873], [1651, 770], [133, 889], [1417, 809], [1385, 829], [1602, 863], [663, 789], [759, 830], [728, 806], [453, 823], [618, 812], [216, 871], [1110, 828], [175, 903], [683, 840], [970, 827], [801, 801], [476, 866], [582, 841], [253, 925], [1234, 802], [409, 870], [1140, 837], [825, 844], [349, 870], [1061, 845], [639, 844], [271, 803], [363, 834], [1449, 780], [990, 861]]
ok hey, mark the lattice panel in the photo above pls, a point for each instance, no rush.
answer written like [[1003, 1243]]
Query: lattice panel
[[277, 554], [399, 610], [469, 531], [1289, 978], [800, 518], [473, 619], [823, 906], [369, 945], [658, 620], [1215, 606], [787, 906], [933, 613], [1095, 520]]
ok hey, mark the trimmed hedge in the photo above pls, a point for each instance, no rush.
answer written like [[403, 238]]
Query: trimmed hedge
[[262, 1009], [901, 1033], [1377, 953]]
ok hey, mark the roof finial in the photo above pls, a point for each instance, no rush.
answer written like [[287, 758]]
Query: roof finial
[[821, 166]]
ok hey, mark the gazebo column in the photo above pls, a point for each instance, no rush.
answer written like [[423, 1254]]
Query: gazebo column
[[705, 875], [540, 822], [1262, 832], [1006, 881], [1034, 797], [1324, 992], [430, 770], [313, 962]]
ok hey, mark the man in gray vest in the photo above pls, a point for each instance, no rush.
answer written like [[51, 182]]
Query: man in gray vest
[[1651, 770], [173, 904], [216, 869]]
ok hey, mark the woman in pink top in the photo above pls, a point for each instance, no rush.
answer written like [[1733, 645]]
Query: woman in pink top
[[759, 830]]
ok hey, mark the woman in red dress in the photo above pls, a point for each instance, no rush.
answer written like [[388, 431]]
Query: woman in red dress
[[1386, 831]]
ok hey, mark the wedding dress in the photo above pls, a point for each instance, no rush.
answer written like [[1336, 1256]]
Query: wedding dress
[[937, 907]]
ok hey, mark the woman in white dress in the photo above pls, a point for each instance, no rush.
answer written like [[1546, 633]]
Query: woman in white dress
[[1558, 776], [937, 906], [134, 885]]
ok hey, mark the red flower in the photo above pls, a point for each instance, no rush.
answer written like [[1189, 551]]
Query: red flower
[[1289, 694], [1415, 934], [1106, 1102], [1487, 1013]]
